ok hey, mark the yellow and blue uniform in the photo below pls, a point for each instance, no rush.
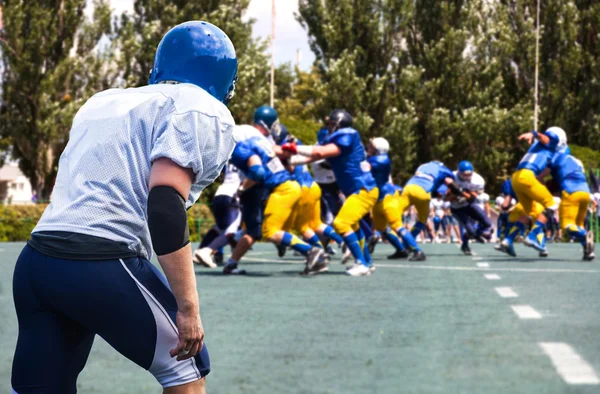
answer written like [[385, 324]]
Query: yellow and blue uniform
[[530, 190], [284, 190], [307, 215], [387, 209], [527, 187], [417, 191], [355, 180], [353, 177], [515, 228], [567, 171]]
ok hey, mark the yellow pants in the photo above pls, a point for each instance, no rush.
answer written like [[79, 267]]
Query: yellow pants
[[307, 215], [280, 205], [517, 211], [529, 190], [387, 211], [355, 207], [573, 208], [417, 196]]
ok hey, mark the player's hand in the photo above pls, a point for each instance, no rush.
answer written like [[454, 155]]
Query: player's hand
[[191, 335], [289, 147], [527, 137]]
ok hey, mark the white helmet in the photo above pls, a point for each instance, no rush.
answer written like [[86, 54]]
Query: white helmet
[[381, 145], [560, 133]]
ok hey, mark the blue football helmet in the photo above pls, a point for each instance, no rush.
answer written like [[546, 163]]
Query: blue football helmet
[[268, 118], [465, 166], [199, 53], [283, 136]]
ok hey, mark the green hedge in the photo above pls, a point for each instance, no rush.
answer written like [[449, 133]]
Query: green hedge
[[17, 221]]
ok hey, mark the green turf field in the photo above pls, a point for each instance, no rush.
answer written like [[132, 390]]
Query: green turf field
[[434, 327]]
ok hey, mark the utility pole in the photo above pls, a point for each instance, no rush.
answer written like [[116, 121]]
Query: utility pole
[[273, 14]]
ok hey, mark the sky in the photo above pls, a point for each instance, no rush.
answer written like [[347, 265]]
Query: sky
[[289, 35]]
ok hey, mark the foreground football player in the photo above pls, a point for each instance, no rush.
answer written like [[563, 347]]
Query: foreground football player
[[135, 160]]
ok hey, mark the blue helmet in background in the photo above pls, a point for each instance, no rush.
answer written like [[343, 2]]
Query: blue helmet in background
[[465, 166], [268, 118], [199, 53], [322, 134], [282, 138]]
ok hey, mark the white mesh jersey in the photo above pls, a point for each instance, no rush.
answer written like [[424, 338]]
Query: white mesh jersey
[[102, 184], [438, 207], [231, 182], [322, 174], [476, 184], [482, 199]]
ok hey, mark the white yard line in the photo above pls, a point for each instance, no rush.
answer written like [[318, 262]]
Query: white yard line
[[483, 266], [491, 276], [569, 364], [506, 292], [526, 312]]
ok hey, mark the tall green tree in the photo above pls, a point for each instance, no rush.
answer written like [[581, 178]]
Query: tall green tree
[[53, 59], [454, 79]]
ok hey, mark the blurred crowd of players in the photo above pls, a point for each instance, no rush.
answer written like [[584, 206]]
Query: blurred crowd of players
[[346, 202]]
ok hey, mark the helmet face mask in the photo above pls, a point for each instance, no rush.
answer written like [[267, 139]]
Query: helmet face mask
[[466, 176]]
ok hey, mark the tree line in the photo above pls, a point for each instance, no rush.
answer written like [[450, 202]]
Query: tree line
[[440, 79]]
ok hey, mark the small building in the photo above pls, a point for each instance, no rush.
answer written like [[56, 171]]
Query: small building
[[15, 188]]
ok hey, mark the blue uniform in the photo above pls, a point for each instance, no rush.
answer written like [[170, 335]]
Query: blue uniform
[[507, 189], [568, 173], [431, 176], [275, 172], [538, 157], [301, 173], [381, 168], [350, 169]]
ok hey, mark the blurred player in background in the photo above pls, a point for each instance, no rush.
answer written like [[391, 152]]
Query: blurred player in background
[[531, 193], [568, 172], [136, 158], [386, 212], [345, 153], [225, 208], [257, 158], [472, 217]]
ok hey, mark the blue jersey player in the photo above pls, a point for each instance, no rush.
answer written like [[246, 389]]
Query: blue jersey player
[[345, 153], [136, 158], [567, 172], [530, 191], [256, 157], [386, 212], [429, 177]]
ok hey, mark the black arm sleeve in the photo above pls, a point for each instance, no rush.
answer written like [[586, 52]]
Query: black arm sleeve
[[455, 189], [167, 220]]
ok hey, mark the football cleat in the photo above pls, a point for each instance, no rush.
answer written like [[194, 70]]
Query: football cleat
[[358, 270], [588, 253], [232, 269], [204, 257], [371, 243], [400, 254], [314, 256], [418, 256], [346, 254], [281, 249], [508, 248], [533, 242], [465, 249]]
